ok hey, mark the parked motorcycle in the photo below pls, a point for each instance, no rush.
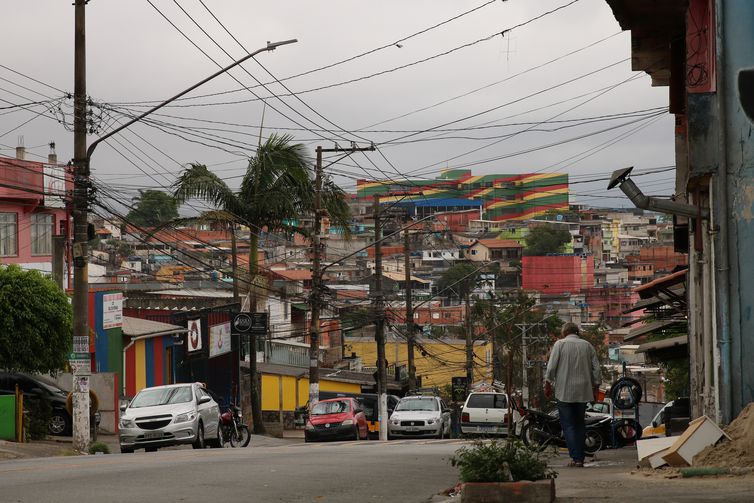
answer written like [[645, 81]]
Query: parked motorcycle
[[542, 429], [234, 430]]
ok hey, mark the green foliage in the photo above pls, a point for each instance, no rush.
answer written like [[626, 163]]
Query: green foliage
[[677, 375], [96, 447], [36, 322], [38, 413], [153, 208], [501, 461], [459, 280], [545, 239]]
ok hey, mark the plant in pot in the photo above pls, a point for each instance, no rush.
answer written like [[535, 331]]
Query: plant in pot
[[503, 470]]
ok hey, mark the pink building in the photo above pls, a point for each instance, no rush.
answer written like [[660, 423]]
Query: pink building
[[35, 204], [554, 274]]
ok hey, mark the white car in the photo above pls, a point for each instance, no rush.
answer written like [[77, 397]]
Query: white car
[[420, 416], [174, 414], [487, 413]]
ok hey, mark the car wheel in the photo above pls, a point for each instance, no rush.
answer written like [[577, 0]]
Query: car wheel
[[58, 423], [199, 442], [126, 450]]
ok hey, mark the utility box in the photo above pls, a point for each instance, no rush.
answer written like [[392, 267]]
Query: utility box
[[7, 417]]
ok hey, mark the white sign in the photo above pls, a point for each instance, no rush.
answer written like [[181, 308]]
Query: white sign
[[54, 186], [194, 335], [112, 310], [219, 339]]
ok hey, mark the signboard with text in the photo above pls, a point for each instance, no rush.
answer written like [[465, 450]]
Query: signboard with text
[[112, 310]]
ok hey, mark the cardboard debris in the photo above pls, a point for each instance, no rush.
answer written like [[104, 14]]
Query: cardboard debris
[[651, 450], [702, 432]]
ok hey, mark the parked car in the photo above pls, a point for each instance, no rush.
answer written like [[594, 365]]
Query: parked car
[[173, 414], [367, 402], [487, 413], [336, 419], [673, 417], [36, 388], [420, 416]]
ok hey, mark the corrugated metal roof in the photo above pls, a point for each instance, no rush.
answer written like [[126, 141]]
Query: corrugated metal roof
[[138, 327]]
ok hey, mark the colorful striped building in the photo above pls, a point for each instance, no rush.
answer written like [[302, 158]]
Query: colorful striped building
[[501, 197]]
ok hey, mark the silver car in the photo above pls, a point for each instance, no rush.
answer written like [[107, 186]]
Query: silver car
[[162, 416], [420, 416]]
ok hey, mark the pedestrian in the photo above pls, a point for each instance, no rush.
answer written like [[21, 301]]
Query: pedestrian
[[573, 376]]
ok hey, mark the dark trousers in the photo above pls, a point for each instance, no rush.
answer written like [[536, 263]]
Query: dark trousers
[[574, 429]]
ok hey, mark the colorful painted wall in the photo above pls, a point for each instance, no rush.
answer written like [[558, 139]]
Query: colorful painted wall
[[149, 362], [285, 392], [106, 332], [503, 196]]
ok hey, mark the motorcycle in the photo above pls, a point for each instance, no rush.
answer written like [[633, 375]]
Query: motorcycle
[[234, 430], [541, 429]]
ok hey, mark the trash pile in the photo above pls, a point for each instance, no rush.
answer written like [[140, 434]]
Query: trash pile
[[736, 452], [705, 449]]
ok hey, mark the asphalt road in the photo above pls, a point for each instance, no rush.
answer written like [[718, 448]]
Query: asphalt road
[[397, 471]]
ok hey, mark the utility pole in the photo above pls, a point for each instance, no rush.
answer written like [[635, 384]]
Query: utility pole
[[469, 343], [379, 322], [317, 294], [80, 234], [409, 313]]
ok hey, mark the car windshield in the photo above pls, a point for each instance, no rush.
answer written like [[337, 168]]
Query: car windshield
[[336, 407], [417, 404], [162, 396]]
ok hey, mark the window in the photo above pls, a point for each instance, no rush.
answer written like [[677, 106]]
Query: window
[[8, 234], [435, 316], [41, 234]]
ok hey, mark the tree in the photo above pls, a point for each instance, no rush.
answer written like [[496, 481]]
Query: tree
[[275, 191], [36, 322], [545, 239], [152, 208], [503, 320]]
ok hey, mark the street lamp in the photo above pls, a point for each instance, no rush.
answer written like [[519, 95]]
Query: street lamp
[[81, 194]]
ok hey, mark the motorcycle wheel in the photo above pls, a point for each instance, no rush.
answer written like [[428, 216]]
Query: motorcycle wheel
[[529, 436], [242, 437], [593, 441]]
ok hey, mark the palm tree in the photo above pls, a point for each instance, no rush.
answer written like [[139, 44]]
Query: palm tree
[[275, 192]]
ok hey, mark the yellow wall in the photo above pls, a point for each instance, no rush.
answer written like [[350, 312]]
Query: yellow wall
[[432, 370], [140, 368], [273, 384]]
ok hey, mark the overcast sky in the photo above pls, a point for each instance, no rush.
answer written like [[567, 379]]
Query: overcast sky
[[533, 99]]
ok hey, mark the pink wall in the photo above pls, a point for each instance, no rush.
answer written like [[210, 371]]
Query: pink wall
[[557, 273]]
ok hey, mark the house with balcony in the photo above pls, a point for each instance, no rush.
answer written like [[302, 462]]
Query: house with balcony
[[35, 205]]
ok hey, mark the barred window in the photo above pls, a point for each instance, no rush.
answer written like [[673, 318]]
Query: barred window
[[41, 234], [8, 234]]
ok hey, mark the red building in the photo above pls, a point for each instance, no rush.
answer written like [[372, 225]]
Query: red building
[[456, 221], [550, 274], [35, 204]]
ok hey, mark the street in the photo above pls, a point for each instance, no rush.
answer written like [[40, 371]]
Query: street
[[409, 471], [274, 470]]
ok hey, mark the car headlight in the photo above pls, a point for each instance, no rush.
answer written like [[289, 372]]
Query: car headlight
[[396, 422], [431, 421], [185, 417], [126, 423], [309, 426], [348, 422]]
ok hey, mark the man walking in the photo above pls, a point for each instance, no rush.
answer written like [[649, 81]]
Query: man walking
[[574, 370]]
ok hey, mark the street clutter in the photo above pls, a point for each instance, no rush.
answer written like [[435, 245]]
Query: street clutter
[[738, 449]]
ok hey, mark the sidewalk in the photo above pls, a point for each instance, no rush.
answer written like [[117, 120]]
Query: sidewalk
[[612, 476]]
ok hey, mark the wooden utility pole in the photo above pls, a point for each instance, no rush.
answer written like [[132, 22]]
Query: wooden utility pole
[[409, 313], [469, 343], [80, 234], [316, 296], [379, 322]]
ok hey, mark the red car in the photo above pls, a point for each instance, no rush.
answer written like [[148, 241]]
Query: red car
[[336, 419]]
